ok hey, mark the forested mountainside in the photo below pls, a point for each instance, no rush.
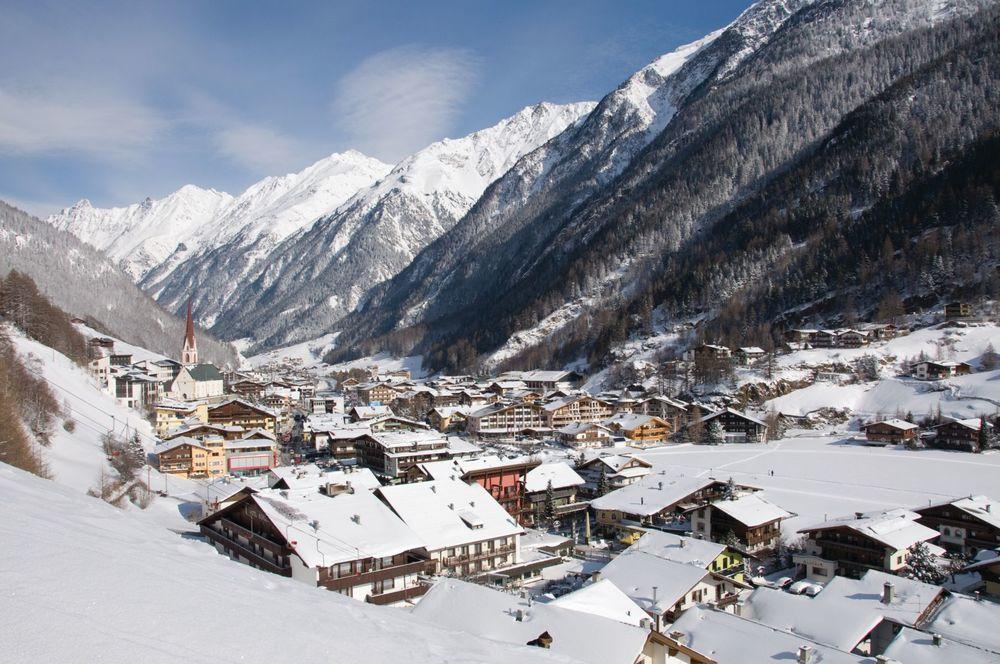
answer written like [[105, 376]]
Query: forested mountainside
[[798, 146], [320, 273], [83, 281]]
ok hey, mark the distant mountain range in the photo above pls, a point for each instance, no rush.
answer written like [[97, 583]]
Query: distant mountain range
[[743, 180]]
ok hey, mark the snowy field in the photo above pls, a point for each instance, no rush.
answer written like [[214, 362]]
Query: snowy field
[[818, 476]]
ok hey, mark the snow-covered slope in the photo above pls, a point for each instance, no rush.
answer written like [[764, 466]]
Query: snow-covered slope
[[84, 582], [320, 273], [75, 458], [160, 234]]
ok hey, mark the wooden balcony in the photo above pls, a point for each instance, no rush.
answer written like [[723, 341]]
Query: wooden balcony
[[393, 596], [255, 558], [373, 576], [485, 553], [256, 538]]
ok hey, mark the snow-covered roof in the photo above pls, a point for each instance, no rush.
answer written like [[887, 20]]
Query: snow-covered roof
[[604, 599], [652, 494], [679, 549], [434, 511], [399, 440], [457, 468], [983, 508], [828, 619], [616, 462], [312, 476], [168, 445], [547, 376], [628, 421], [897, 528], [370, 412], [559, 473], [972, 423], [967, 620], [751, 510], [915, 647], [576, 428], [725, 637], [325, 530], [751, 350], [224, 488], [636, 572], [895, 423], [731, 411], [492, 614]]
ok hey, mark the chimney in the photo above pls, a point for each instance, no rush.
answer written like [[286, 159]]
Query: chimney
[[858, 515], [677, 636], [936, 638], [519, 616], [683, 542], [887, 592], [356, 519], [451, 506], [642, 500], [988, 506], [434, 488], [660, 484], [804, 655], [595, 577]]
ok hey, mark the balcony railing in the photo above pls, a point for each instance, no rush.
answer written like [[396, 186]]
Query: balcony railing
[[485, 553], [256, 538], [393, 596], [373, 576], [254, 557]]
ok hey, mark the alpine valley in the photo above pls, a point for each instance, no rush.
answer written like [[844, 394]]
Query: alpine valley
[[813, 159]]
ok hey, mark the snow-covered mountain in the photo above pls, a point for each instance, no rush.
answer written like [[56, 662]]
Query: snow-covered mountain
[[321, 272], [154, 236], [143, 235], [589, 222]]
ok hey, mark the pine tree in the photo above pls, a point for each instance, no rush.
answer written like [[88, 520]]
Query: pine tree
[[922, 566], [136, 451], [602, 482], [716, 434], [549, 508], [729, 491], [983, 442], [990, 359]]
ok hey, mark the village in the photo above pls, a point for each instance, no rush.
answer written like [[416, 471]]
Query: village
[[528, 509]]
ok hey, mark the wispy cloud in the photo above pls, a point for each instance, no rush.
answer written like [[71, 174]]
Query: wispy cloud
[[57, 120], [258, 147], [397, 101]]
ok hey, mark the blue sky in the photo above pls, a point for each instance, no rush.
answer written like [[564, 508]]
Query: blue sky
[[116, 101]]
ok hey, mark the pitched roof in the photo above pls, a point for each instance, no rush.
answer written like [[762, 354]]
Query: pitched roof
[[981, 507], [915, 647], [604, 599], [751, 510], [446, 513], [168, 445], [577, 635], [559, 473], [712, 416], [897, 528], [325, 530], [678, 549], [895, 423], [652, 494], [635, 572], [204, 372], [726, 637], [967, 620]]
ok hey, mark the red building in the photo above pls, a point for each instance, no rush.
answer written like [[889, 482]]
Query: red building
[[504, 479]]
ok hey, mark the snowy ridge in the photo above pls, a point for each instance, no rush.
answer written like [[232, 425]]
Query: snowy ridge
[[159, 234], [143, 235], [320, 273]]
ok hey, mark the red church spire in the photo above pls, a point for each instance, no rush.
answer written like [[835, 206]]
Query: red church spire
[[189, 352]]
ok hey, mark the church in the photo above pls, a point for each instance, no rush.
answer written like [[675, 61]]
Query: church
[[196, 380]]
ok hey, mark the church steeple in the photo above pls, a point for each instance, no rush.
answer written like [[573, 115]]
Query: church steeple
[[189, 353]]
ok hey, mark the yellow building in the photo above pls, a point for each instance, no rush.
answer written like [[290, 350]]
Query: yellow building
[[171, 414], [190, 458]]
